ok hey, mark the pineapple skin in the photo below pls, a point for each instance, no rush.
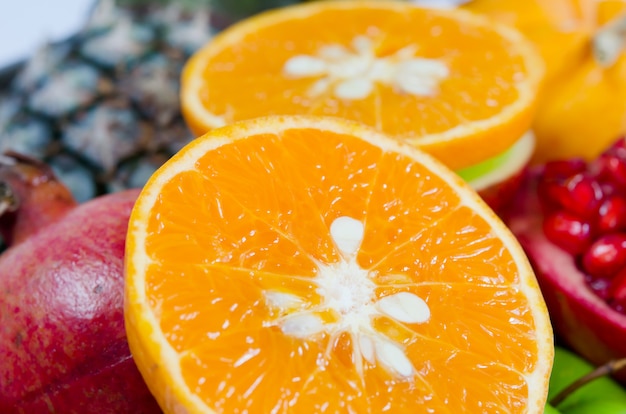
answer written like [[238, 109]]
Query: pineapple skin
[[102, 107]]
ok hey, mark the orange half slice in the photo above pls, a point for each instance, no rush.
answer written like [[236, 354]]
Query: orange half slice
[[452, 83], [314, 265]]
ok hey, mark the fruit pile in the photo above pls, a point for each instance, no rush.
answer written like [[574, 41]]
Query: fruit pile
[[569, 213], [356, 227], [322, 266]]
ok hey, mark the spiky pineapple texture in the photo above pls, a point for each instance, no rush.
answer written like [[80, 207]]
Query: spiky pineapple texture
[[102, 107]]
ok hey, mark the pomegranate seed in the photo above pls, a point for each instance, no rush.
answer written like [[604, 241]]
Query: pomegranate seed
[[618, 148], [616, 293], [548, 192], [617, 287], [606, 256], [611, 168], [612, 215], [559, 170], [568, 231], [579, 194], [600, 286], [609, 189]]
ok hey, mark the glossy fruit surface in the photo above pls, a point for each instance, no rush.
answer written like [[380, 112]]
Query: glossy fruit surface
[[62, 340], [583, 103], [570, 232], [304, 264], [381, 66], [606, 256]]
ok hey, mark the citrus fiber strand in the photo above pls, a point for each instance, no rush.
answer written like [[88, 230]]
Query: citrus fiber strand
[[411, 240], [271, 224]]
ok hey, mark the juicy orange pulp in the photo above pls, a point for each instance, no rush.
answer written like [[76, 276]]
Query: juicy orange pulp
[[305, 265], [458, 86]]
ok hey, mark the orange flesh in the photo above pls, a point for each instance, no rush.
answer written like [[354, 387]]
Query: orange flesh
[[217, 246], [483, 75]]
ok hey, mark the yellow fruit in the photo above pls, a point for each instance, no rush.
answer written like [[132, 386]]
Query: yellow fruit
[[582, 109], [313, 265]]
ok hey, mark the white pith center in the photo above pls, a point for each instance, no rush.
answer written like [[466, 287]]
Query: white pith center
[[350, 292], [351, 73]]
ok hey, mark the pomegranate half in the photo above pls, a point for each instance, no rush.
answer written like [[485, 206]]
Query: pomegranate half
[[581, 317]]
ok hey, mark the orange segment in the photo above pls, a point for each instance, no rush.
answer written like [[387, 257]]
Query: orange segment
[[456, 85], [313, 265]]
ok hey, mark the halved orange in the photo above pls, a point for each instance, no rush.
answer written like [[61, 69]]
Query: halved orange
[[455, 84], [313, 265]]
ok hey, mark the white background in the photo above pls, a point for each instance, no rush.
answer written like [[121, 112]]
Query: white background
[[27, 24]]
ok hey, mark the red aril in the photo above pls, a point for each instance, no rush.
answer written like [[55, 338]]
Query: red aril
[[616, 292], [579, 194], [612, 214], [606, 256], [618, 148], [599, 286], [568, 231], [561, 169], [612, 168]]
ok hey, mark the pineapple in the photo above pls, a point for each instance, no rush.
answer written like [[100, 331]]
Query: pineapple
[[102, 107]]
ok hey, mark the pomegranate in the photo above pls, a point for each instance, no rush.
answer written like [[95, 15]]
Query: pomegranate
[[62, 340], [570, 217]]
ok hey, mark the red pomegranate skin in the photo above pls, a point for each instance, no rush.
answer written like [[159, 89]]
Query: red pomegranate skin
[[580, 319], [62, 339]]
